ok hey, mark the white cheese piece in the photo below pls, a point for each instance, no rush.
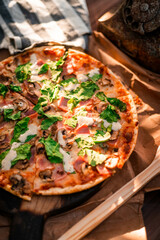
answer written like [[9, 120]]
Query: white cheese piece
[[32, 130], [33, 58], [61, 140], [93, 71], [9, 106], [85, 120], [116, 126], [6, 162], [82, 77], [106, 124], [71, 87], [67, 161]]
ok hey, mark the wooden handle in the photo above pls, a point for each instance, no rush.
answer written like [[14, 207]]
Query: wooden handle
[[105, 209]]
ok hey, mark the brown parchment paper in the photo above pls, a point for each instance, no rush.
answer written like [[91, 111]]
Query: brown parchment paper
[[145, 89]]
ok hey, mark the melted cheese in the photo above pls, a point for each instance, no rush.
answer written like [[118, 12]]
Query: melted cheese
[[82, 77], [67, 161], [9, 106], [61, 141], [32, 130], [93, 71], [71, 87], [85, 120], [116, 126], [6, 162]]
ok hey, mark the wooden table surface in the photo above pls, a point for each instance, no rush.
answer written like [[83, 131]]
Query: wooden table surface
[[151, 206]]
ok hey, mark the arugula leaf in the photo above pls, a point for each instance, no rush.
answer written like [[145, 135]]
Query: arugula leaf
[[44, 68], [110, 114], [66, 82], [95, 77], [50, 90], [86, 142], [72, 103], [3, 155], [118, 103], [3, 90], [85, 91], [72, 122], [29, 137], [20, 128], [23, 72], [46, 123], [15, 88], [95, 158], [101, 96], [100, 132], [9, 116], [52, 150], [23, 152]]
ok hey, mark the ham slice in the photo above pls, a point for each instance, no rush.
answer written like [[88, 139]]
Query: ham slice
[[103, 170], [84, 129], [62, 104]]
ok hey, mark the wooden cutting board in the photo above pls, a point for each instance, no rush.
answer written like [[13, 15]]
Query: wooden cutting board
[[28, 217]]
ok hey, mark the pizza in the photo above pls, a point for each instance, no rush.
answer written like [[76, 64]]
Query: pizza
[[66, 122]]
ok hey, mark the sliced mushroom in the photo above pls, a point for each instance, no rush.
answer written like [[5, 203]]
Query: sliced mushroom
[[46, 174], [17, 181], [65, 77], [40, 148], [22, 164], [46, 108], [45, 133], [4, 141], [114, 135], [21, 104], [105, 82]]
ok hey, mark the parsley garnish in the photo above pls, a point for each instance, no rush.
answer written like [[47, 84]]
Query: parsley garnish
[[101, 96], [9, 116], [118, 103], [44, 68], [23, 72], [3, 90], [3, 155], [52, 150], [20, 128], [86, 142], [110, 114], [23, 152], [15, 88], [95, 77]]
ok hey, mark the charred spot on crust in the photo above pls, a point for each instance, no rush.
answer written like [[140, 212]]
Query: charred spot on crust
[[128, 136]]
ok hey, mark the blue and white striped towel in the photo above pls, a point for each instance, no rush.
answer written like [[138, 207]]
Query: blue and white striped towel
[[24, 22]]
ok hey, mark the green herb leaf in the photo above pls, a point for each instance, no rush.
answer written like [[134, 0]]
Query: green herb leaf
[[66, 82], [15, 88], [118, 103], [23, 152], [44, 68], [110, 114], [101, 96], [46, 123], [20, 128], [23, 72], [72, 103], [3, 155], [3, 90], [100, 132], [9, 116], [95, 77], [72, 122], [86, 142], [30, 137], [52, 150], [95, 158], [50, 90], [85, 91]]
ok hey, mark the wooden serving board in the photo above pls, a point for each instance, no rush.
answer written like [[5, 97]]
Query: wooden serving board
[[28, 217]]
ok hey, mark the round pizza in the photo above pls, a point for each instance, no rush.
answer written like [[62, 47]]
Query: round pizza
[[66, 123]]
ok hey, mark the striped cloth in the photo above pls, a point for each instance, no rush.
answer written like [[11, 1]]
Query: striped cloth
[[24, 22]]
